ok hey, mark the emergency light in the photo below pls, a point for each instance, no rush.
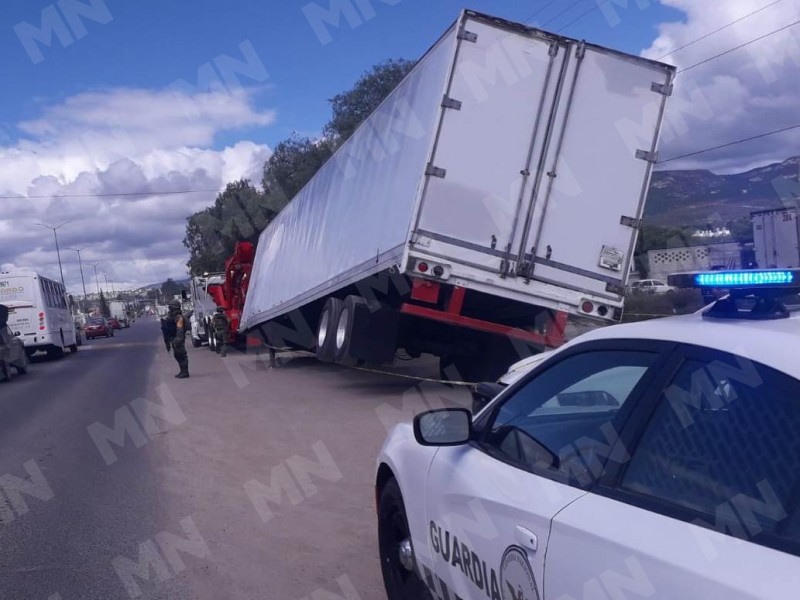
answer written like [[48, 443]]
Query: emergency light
[[753, 294], [748, 279]]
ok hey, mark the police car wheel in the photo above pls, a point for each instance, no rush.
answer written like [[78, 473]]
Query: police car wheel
[[394, 540]]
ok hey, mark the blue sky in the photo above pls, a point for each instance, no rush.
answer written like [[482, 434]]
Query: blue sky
[[151, 44]]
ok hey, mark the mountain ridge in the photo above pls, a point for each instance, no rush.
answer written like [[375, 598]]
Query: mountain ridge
[[700, 196]]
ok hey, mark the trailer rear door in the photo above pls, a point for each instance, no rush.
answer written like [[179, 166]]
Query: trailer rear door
[[492, 125], [581, 226], [541, 163]]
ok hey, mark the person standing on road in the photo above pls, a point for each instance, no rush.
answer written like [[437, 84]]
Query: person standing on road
[[177, 337], [221, 328]]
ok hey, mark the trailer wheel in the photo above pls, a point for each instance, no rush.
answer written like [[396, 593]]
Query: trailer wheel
[[212, 342], [196, 343], [350, 329], [326, 330]]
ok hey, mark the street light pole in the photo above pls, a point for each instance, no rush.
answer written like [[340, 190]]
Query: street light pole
[[96, 280], [58, 252], [105, 276], [80, 265]]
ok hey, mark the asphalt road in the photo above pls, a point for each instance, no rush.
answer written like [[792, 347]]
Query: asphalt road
[[86, 512], [244, 481]]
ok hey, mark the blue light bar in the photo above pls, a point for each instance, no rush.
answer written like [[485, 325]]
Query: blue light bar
[[743, 279]]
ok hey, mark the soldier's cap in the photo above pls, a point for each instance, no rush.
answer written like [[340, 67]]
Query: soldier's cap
[[220, 309]]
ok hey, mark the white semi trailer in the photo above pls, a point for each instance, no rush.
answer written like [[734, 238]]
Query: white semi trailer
[[776, 237], [496, 191]]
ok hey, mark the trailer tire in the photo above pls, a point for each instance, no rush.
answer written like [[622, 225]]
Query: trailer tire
[[196, 343], [326, 329], [351, 328], [210, 335]]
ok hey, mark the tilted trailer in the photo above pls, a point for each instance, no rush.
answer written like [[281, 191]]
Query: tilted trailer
[[495, 192]]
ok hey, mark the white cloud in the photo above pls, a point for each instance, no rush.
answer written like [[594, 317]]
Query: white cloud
[[744, 93], [114, 143]]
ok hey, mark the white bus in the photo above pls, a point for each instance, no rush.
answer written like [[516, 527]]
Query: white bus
[[38, 312]]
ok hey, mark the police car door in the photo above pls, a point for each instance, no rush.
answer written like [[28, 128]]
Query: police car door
[[707, 504], [490, 503]]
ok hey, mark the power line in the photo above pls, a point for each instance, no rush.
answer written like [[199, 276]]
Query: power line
[[747, 139], [580, 16], [547, 5], [766, 35], [563, 12], [710, 33], [110, 195]]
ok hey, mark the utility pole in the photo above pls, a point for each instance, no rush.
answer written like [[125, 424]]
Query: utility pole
[[96, 280], [80, 264], [58, 252]]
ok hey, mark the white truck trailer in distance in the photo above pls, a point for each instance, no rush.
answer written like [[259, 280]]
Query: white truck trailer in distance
[[776, 237], [496, 191]]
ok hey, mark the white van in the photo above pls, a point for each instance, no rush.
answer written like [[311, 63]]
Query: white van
[[38, 312]]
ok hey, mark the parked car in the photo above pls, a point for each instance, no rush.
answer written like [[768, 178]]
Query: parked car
[[115, 324], [650, 286], [662, 451], [12, 354], [98, 327]]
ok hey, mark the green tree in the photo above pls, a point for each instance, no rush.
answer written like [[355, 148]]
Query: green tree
[[292, 164], [741, 229], [171, 288], [240, 212], [104, 309], [350, 108]]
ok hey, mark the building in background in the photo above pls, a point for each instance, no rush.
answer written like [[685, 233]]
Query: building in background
[[703, 257]]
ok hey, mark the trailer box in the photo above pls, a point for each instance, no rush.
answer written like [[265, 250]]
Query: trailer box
[[509, 169]]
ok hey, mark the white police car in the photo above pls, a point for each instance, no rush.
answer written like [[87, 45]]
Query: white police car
[[650, 460]]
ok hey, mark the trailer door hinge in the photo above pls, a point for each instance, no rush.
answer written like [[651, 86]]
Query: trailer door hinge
[[553, 50], [661, 88], [630, 222], [580, 51], [448, 102], [647, 155], [435, 171], [467, 36]]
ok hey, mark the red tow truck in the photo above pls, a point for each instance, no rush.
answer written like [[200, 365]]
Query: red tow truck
[[231, 293]]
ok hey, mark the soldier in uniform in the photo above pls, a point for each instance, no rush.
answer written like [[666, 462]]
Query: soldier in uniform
[[221, 327], [178, 341]]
